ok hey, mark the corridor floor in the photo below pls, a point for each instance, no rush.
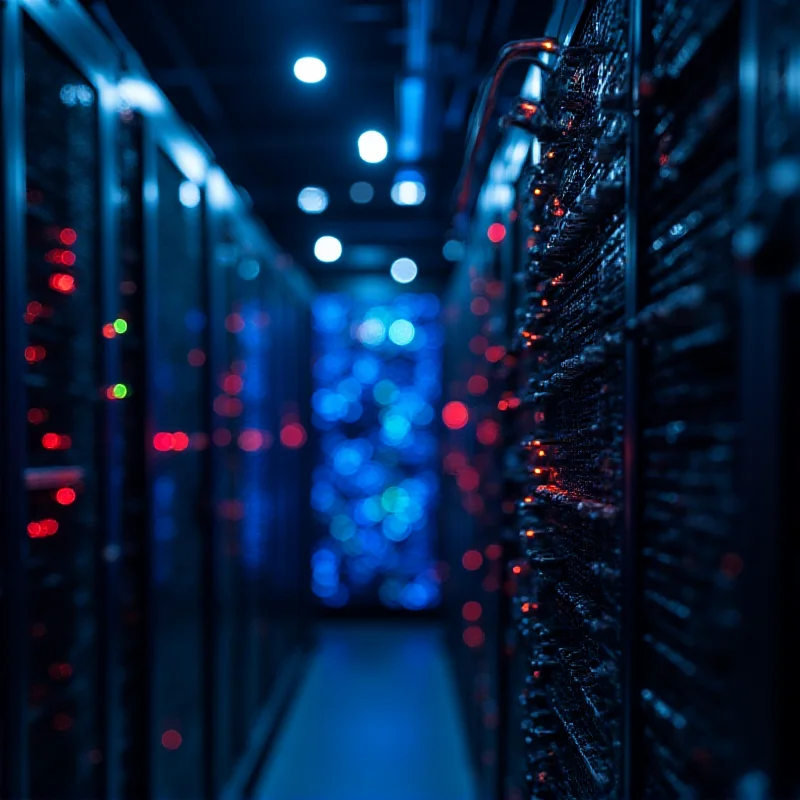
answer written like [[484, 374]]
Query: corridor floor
[[376, 718]]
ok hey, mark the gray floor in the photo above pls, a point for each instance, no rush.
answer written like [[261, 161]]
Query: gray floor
[[376, 718]]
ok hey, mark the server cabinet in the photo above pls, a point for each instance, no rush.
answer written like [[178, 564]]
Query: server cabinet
[[154, 541], [177, 320]]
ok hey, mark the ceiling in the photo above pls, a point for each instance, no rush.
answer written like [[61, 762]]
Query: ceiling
[[226, 65]]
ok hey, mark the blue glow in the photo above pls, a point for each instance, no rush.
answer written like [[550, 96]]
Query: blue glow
[[401, 332], [412, 110], [377, 381]]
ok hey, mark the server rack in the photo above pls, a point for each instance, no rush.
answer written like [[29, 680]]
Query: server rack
[[686, 594], [123, 272]]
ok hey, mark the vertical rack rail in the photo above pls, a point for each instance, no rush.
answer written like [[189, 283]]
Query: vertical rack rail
[[640, 57], [13, 556]]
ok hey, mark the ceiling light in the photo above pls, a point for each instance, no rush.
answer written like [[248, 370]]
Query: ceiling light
[[309, 69], [404, 270], [328, 249], [408, 193], [189, 194], [312, 200], [361, 192], [372, 147]]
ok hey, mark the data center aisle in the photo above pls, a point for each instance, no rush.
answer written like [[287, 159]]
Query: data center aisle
[[377, 718]]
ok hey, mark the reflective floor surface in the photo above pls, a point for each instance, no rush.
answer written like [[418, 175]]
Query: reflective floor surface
[[376, 718]]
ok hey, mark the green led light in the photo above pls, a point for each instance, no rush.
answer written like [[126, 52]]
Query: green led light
[[120, 326], [119, 390]]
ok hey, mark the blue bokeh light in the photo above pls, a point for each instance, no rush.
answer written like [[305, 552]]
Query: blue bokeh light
[[377, 378]]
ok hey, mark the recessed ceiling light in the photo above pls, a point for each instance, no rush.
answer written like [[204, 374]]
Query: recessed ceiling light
[[372, 147], [309, 69], [328, 249], [312, 200], [404, 270], [361, 192]]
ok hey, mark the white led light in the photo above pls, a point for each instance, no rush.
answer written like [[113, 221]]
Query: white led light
[[361, 192], [309, 69], [189, 194], [313, 200], [372, 147], [408, 193], [328, 249], [404, 270]]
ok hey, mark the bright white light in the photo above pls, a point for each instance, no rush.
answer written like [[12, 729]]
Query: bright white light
[[404, 270], [313, 200], [371, 331], [189, 195], [372, 147], [141, 95], [453, 250], [309, 69], [328, 249], [361, 192], [408, 193], [401, 332]]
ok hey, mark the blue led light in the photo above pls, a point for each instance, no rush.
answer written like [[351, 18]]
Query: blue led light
[[401, 332]]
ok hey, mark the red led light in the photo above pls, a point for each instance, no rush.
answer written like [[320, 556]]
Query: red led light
[[232, 384], [196, 358], [488, 432], [496, 232], [293, 435], [34, 309], [163, 442], [42, 529], [477, 385], [108, 331], [180, 441], [494, 552], [36, 416], [453, 462], [68, 258], [63, 283], [490, 584], [227, 406], [495, 353], [468, 479], [171, 739], [479, 306], [502, 405], [35, 353], [251, 440], [472, 560], [53, 441], [234, 323], [455, 415], [478, 345], [65, 496], [68, 237], [60, 671], [473, 636], [471, 611]]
